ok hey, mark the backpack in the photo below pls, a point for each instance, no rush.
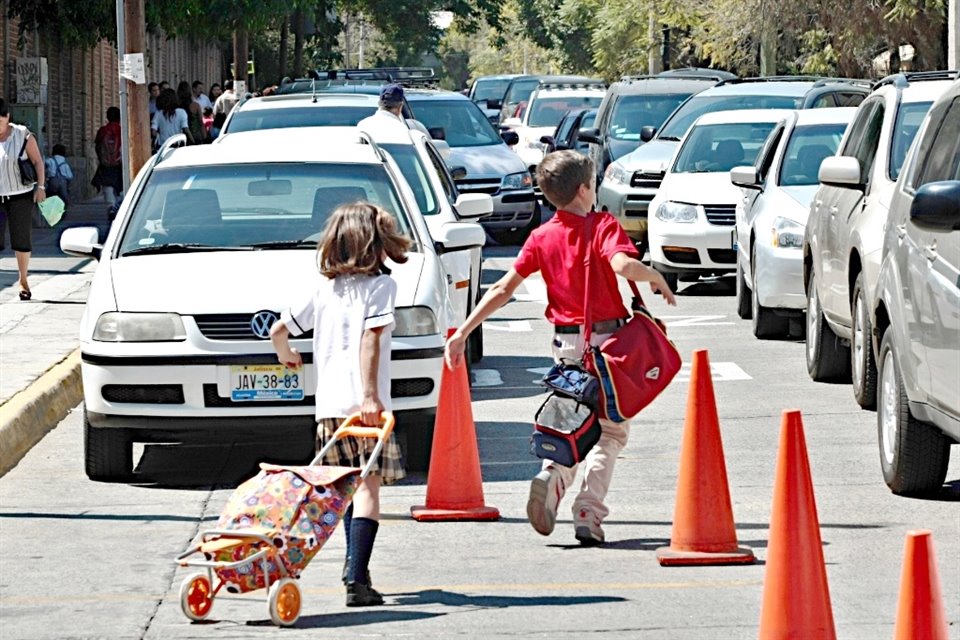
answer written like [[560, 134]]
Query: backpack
[[56, 181], [111, 144]]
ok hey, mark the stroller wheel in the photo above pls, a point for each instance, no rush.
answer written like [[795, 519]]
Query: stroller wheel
[[284, 602], [196, 596]]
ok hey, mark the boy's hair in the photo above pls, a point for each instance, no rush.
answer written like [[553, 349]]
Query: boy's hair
[[561, 173], [59, 150], [358, 237]]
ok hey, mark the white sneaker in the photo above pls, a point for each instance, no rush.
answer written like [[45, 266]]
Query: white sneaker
[[546, 489], [587, 528]]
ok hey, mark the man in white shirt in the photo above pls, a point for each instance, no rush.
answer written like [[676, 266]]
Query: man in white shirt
[[391, 106], [227, 100], [200, 96]]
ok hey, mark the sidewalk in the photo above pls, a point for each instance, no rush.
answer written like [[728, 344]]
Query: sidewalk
[[39, 381]]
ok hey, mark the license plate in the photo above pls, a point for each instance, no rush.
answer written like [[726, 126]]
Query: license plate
[[259, 382]]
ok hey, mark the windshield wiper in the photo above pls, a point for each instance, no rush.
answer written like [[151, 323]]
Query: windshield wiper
[[285, 244], [179, 247]]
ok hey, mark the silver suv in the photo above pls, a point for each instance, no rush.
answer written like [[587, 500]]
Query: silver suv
[[916, 317], [844, 233]]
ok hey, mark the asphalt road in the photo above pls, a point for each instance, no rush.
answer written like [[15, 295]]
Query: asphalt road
[[83, 559]]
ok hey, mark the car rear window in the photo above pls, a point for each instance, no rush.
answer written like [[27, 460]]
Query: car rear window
[[318, 115], [689, 111], [489, 89], [246, 205], [807, 148], [715, 148], [632, 113], [462, 122]]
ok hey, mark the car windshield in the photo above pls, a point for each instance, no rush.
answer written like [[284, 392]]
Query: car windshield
[[547, 112], [489, 89], [520, 90], [411, 166], [909, 118], [632, 113], [462, 122], [316, 115], [807, 148], [689, 111], [244, 206], [714, 148]]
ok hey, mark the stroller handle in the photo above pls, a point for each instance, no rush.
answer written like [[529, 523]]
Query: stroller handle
[[353, 426]]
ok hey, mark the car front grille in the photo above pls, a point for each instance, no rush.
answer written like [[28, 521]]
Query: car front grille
[[143, 393], [411, 387], [478, 186], [232, 326], [724, 215], [644, 180]]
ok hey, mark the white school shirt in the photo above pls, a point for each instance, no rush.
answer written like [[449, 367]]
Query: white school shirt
[[58, 166], [166, 127], [339, 311]]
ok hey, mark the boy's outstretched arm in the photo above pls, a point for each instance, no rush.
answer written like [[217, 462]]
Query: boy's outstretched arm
[[633, 269], [370, 406], [280, 338], [495, 297]]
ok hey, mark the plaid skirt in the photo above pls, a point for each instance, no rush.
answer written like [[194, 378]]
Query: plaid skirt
[[353, 452]]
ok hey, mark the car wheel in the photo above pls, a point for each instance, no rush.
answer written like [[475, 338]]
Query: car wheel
[[475, 345], [863, 366], [744, 303], [108, 453], [827, 357], [672, 280], [415, 437], [766, 323], [914, 455]]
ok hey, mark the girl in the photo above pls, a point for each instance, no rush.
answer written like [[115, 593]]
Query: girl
[[351, 315], [169, 119]]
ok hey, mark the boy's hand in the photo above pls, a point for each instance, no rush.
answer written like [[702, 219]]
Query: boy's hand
[[290, 358], [370, 410], [659, 285], [453, 351]]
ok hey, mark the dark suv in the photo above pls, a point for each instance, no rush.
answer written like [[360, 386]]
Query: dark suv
[[916, 313], [639, 101]]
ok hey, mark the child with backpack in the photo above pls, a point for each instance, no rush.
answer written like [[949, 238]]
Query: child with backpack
[[59, 174]]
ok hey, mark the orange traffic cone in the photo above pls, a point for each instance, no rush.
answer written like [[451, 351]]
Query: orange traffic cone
[[454, 485], [796, 596], [703, 531], [920, 612]]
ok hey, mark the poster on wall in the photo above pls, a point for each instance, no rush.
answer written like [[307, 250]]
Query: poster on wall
[[31, 80]]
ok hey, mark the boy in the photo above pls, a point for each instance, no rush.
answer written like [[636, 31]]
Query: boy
[[59, 174], [557, 250]]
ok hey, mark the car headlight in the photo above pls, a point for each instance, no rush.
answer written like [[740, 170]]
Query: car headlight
[[519, 180], [677, 212], [617, 174], [116, 326], [414, 321], [787, 233]]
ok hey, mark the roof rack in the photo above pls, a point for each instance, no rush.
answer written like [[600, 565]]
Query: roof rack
[[773, 79], [675, 78], [401, 75], [903, 80], [860, 82], [580, 84], [366, 138]]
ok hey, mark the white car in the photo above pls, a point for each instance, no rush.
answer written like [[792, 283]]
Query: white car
[[692, 228], [544, 110], [211, 244], [772, 214]]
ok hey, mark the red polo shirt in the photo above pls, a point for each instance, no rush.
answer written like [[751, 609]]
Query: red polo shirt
[[556, 250]]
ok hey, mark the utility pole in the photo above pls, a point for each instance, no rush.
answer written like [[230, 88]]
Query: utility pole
[[240, 57], [953, 35], [134, 128]]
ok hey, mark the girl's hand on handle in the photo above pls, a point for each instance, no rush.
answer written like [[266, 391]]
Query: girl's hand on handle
[[454, 349], [370, 410], [659, 285]]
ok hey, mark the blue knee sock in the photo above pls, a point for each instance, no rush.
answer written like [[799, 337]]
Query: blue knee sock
[[363, 532]]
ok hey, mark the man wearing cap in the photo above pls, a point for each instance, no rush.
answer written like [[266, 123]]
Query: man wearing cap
[[389, 113]]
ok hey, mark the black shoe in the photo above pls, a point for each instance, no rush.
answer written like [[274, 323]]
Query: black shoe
[[346, 572], [362, 595]]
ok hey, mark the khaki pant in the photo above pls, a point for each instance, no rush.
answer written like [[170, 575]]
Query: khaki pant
[[600, 461]]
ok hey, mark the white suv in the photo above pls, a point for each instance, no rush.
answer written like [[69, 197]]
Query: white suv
[[844, 234], [213, 242]]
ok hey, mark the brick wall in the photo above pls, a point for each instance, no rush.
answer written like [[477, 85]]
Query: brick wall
[[82, 83]]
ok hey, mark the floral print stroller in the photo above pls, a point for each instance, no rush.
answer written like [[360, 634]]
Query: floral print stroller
[[272, 526]]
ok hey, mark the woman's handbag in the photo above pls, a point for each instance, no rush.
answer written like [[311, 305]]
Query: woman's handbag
[[28, 173], [564, 431]]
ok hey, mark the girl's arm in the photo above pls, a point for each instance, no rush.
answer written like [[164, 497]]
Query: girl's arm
[[633, 269], [370, 406], [280, 338]]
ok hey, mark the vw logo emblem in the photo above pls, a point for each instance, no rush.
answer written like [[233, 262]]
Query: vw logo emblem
[[261, 322]]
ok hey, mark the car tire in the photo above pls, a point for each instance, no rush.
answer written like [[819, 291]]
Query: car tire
[[744, 302], [766, 323], [863, 365], [475, 345], [672, 280], [415, 436], [108, 453], [827, 357], [914, 455]]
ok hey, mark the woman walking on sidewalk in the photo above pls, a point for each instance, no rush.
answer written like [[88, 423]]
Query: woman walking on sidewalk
[[18, 201]]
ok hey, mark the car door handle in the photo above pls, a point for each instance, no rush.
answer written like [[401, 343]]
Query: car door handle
[[930, 252], [901, 230], [833, 211]]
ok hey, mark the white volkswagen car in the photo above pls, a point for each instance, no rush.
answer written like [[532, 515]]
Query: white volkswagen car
[[692, 228], [211, 244], [771, 216]]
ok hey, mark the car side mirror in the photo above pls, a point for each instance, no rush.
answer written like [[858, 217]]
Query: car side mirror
[[454, 236], [746, 177], [437, 133], [493, 103], [512, 138], [548, 140], [589, 135], [474, 205], [936, 206], [841, 171], [458, 172], [647, 133], [81, 241]]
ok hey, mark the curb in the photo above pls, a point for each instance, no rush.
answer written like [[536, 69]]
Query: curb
[[30, 414]]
